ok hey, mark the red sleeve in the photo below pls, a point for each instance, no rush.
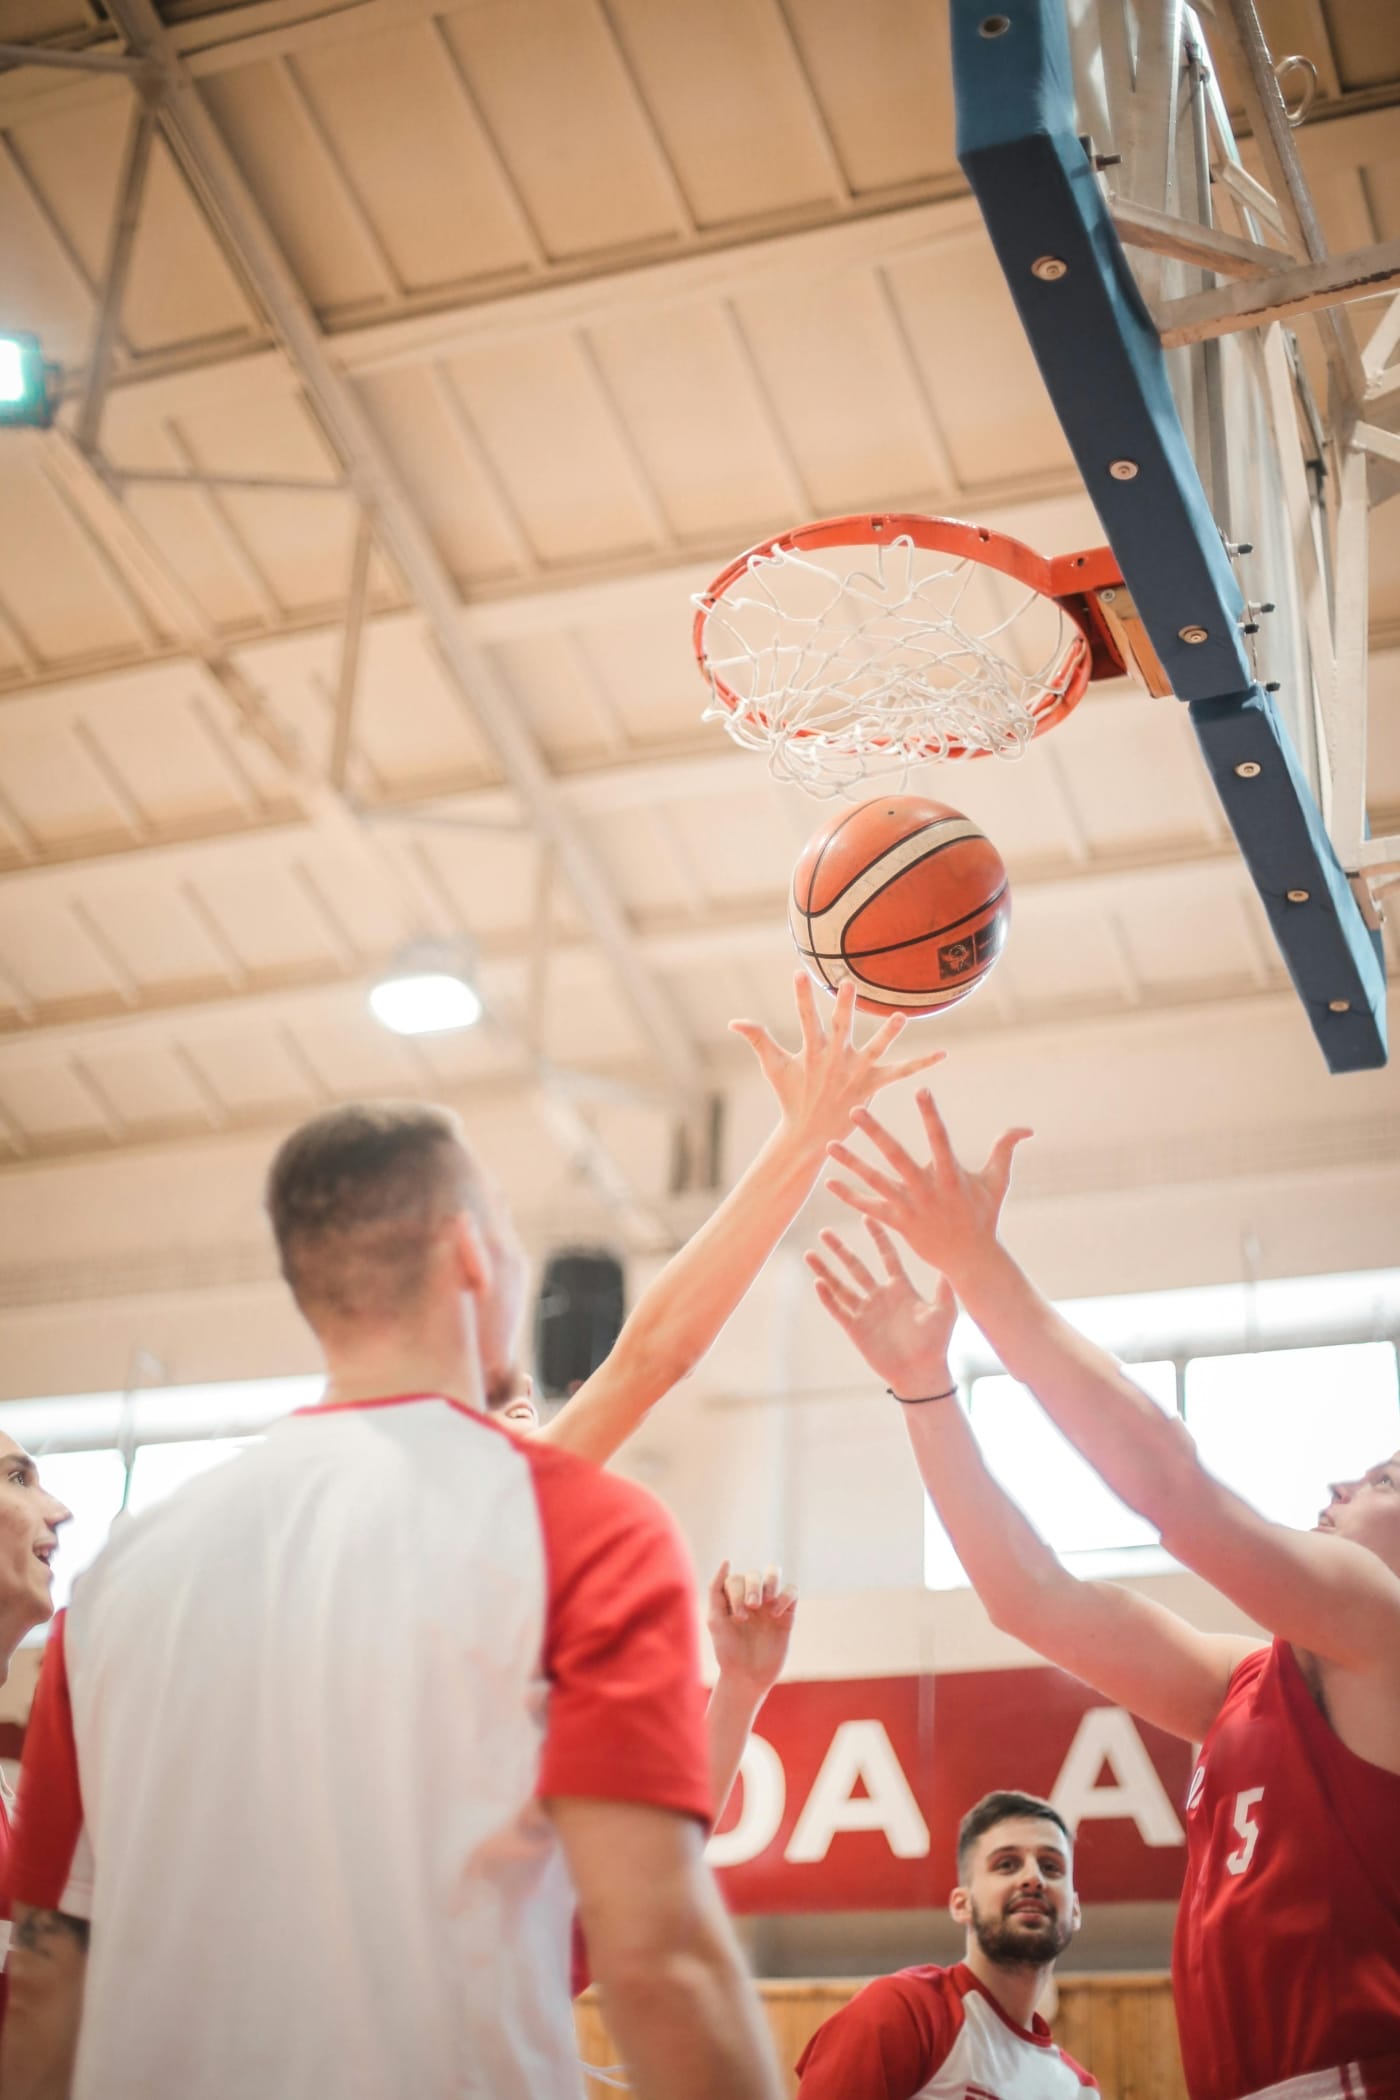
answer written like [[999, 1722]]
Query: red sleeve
[[886, 2044], [626, 1717], [49, 1815]]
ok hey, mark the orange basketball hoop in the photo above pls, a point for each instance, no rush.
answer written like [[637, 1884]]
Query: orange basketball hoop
[[876, 642]]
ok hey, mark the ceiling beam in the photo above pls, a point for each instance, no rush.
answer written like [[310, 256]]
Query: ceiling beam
[[217, 181], [668, 944], [1037, 1039], [556, 598]]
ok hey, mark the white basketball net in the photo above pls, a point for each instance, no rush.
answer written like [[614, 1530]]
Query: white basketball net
[[855, 660]]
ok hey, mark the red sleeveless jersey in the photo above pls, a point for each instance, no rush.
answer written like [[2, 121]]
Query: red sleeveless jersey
[[1287, 1954]]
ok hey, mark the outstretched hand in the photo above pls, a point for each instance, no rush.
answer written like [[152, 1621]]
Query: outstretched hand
[[945, 1212], [903, 1337], [750, 1621], [820, 1086]]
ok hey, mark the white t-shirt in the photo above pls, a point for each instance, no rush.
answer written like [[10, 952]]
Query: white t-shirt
[[935, 2034], [288, 1754]]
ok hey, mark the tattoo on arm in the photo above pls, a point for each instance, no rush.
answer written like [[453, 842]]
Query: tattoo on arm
[[36, 1930]]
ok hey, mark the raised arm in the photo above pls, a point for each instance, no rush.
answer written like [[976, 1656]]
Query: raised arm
[[1324, 1593], [1125, 1645], [679, 1315], [750, 1622]]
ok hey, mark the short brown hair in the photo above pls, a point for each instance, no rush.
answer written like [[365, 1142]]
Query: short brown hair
[[1003, 1806], [356, 1196]]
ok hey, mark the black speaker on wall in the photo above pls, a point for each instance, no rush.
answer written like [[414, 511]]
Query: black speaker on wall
[[578, 1316]]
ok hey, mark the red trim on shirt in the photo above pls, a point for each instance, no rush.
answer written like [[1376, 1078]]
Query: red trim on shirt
[[622, 1645], [626, 1715], [49, 1817]]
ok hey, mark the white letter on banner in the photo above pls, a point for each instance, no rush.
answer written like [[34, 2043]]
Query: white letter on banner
[[1106, 1735], [765, 1796], [859, 1750]]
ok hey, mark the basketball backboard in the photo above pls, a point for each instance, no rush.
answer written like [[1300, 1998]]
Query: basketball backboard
[[1157, 280]]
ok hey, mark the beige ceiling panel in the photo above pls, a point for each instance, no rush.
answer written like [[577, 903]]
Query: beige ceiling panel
[[1379, 185], [554, 93], [653, 870], [565, 461], [419, 415], [252, 1069], [1018, 803], [976, 363], [585, 1021], [1365, 40], [740, 846], [52, 779], [1059, 952], [649, 671], [45, 288], [738, 116], [850, 399], [148, 1088], [355, 1057], [1383, 731], [403, 127], [485, 879], [1135, 773], [1206, 931], [685, 381], [1384, 593], [566, 702], [180, 288], [50, 952], [714, 991], [157, 758], [160, 937], [882, 75], [52, 1104], [267, 918], [62, 591], [32, 21], [410, 723], [1356, 206], [298, 188], [204, 551]]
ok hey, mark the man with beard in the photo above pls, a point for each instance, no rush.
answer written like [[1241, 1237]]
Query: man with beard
[[925, 2033]]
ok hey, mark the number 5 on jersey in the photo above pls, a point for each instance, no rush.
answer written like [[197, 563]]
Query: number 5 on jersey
[[1247, 1828]]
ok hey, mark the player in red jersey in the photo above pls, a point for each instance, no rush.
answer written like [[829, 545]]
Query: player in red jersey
[[942, 2034], [1287, 1954], [29, 1521]]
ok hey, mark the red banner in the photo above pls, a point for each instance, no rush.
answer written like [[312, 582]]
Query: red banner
[[852, 1790]]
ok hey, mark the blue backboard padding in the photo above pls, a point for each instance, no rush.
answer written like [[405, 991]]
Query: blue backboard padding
[[1330, 951], [1092, 336], [1104, 368]]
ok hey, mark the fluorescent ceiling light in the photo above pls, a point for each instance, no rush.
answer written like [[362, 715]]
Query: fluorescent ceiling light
[[24, 394], [426, 1002]]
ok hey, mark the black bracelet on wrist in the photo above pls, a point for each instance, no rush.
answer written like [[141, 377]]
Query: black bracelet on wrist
[[922, 1399]]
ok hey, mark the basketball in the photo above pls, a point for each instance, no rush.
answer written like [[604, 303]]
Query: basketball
[[905, 896]]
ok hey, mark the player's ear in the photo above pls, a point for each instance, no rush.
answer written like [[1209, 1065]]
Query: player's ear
[[1076, 1916], [469, 1254], [960, 1906]]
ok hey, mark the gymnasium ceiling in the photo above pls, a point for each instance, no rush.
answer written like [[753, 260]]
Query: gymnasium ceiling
[[589, 295]]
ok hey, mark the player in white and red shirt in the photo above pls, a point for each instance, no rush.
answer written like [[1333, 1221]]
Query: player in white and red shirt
[[944, 2034], [29, 1522], [1287, 1955], [328, 1735]]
